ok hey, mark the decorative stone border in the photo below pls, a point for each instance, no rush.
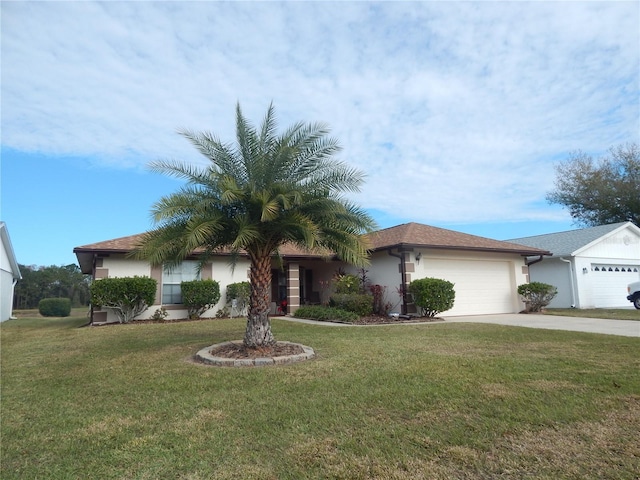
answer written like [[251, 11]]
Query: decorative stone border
[[205, 356]]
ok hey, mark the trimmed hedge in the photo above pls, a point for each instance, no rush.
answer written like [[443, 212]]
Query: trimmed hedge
[[432, 295], [128, 297], [54, 307], [361, 305], [199, 296], [327, 314], [537, 295]]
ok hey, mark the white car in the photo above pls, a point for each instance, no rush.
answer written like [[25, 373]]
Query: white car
[[634, 294]]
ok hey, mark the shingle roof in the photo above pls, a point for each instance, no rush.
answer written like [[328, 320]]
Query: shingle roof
[[419, 235], [405, 235], [128, 244], [566, 243]]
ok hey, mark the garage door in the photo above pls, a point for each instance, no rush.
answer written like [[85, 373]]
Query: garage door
[[481, 287], [609, 284]]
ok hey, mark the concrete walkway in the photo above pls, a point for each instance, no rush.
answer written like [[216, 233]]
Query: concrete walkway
[[626, 328]]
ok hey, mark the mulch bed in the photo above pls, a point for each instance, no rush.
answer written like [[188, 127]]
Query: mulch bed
[[233, 350], [382, 320]]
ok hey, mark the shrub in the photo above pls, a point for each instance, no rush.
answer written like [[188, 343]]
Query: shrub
[[432, 295], [381, 306], [347, 284], [322, 313], [199, 296], [361, 305], [160, 314], [239, 292], [536, 295], [54, 307], [127, 296]]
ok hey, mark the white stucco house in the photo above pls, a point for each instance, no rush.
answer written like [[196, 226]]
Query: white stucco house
[[9, 274], [486, 272], [591, 267]]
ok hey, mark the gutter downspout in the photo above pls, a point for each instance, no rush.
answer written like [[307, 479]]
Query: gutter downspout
[[403, 285], [539, 259], [573, 292], [14, 282]]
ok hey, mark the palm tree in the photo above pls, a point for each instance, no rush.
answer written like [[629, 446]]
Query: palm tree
[[257, 194]]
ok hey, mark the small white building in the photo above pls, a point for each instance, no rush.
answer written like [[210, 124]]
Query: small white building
[[591, 267], [9, 274]]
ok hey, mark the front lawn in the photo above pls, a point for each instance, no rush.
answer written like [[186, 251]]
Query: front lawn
[[436, 401]]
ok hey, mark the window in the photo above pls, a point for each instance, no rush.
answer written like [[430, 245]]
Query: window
[[171, 279]]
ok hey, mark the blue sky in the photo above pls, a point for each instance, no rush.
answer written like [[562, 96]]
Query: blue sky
[[456, 111]]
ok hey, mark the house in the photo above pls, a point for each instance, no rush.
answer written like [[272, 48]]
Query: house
[[486, 272], [9, 274], [590, 267]]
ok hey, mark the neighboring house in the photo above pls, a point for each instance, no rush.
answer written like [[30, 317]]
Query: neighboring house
[[9, 274], [486, 272], [591, 267]]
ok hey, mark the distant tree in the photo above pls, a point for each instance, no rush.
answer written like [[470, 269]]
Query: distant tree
[[600, 191], [51, 282]]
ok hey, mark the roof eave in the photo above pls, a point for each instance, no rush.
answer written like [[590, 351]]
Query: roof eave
[[523, 252]]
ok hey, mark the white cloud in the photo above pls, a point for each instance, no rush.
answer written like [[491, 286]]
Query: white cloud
[[455, 110]]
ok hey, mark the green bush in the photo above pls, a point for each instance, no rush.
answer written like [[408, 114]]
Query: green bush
[[347, 284], [536, 295], [239, 292], [199, 296], [127, 296], [54, 307], [361, 305], [327, 314], [432, 295]]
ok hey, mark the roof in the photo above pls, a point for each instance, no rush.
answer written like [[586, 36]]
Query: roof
[[8, 248], [419, 235], [570, 242], [405, 235], [127, 244]]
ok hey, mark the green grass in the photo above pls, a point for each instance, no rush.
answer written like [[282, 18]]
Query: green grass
[[436, 401], [606, 313]]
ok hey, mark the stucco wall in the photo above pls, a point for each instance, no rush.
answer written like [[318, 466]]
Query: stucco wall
[[6, 294], [7, 277], [557, 273], [120, 266], [385, 270]]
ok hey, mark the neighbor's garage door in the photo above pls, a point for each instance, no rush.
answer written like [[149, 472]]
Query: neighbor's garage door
[[609, 284], [481, 287]]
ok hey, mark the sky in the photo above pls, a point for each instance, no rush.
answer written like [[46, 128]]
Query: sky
[[457, 112]]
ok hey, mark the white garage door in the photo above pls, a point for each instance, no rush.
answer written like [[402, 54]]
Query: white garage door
[[481, 287], [609, 284]]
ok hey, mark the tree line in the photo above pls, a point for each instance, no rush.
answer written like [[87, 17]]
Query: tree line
[[51, 282]]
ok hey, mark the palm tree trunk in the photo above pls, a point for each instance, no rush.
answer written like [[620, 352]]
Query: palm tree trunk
[[258, 333]]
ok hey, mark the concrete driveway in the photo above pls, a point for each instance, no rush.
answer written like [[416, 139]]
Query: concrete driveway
[[626, 328]]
